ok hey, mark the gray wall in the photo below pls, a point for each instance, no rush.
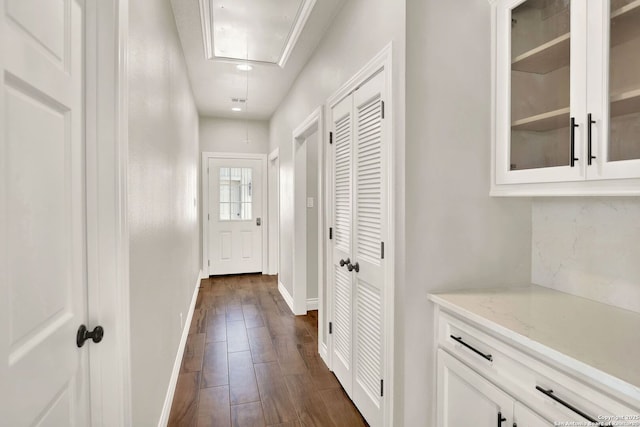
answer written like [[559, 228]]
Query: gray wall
[[457, 236], [359, 32], [162, 203], [230, 135]]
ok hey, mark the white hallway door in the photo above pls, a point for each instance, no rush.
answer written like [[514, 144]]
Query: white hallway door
[[360, 229], [44, 377], [235, 216]]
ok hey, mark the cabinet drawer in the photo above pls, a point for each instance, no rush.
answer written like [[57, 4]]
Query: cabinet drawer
[[548, 390]]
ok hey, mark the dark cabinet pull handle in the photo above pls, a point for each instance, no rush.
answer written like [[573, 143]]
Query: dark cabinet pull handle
[[486, 356], [344, 262], [590, 156], [549, 393], [574, 159], [501, 419]]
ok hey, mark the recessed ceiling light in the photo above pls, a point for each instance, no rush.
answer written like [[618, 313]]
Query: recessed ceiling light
[[244, 67], [236, 109]]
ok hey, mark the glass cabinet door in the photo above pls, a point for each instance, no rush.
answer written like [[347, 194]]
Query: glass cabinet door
[[622, 141], [542, 73], [540, 84]]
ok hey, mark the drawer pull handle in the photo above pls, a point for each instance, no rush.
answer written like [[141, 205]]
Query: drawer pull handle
[[486, 356], [549, 393]]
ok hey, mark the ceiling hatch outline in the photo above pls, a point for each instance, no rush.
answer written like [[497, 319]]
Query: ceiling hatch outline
[[299, 22]]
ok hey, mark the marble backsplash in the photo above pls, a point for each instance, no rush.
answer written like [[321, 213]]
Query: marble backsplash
[[588, 247]]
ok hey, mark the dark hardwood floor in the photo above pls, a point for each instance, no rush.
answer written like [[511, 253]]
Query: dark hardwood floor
[[250, 362]]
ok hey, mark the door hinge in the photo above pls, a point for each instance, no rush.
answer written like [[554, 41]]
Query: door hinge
[[330, 233], [330, 327], [208, 217], [381, 250], [330, 137], [381, 388], [382, 108]]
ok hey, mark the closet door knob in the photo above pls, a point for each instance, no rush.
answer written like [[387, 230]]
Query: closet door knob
[[84, 334], [344, 262], [355, 267]]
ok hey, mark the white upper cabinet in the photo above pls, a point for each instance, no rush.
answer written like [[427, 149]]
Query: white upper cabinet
[[567, 88]]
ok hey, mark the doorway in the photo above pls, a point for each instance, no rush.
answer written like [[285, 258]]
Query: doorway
[[307, 245], [234, 231]]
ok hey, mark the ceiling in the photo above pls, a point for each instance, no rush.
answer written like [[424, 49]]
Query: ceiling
[[275, 37]]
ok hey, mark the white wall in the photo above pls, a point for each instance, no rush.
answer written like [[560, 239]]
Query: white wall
[[163, 197], [457, 236], [230, 135], [588, 247], [359, 32], [312, 216]]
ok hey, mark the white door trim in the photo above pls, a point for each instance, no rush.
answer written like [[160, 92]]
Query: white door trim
[[273, 206], [313, 123], [107, 227], [206, 155], [382, 61]]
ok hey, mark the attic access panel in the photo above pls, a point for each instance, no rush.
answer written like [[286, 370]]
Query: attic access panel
[[253, 30]]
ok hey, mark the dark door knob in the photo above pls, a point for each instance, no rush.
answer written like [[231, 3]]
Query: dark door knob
[[84, 334], [344, 262], [352, 267]]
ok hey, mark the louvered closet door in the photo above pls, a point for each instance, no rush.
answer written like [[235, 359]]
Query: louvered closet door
[[342, 128], [370, 219]]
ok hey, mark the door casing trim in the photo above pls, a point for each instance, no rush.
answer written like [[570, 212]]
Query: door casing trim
[[107, 148], [313, 123]]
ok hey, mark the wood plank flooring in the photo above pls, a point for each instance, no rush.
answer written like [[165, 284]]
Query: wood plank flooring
[[250, 362]]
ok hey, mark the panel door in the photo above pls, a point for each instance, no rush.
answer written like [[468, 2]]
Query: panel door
[[541, 91], [525, 417], [369, 221], [235, 216], [342, 128], [467, 399], [43, 275]]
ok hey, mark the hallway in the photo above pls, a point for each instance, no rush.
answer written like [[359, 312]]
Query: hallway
[[250, 362]]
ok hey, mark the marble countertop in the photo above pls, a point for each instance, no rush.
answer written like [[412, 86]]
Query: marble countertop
[[597, 340]]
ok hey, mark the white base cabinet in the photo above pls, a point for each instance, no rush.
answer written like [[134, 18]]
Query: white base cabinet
[[486, 378]]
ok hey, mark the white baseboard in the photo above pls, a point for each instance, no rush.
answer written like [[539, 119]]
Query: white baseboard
[[168, 400], [312, 304], [324, 354], [286, 295]]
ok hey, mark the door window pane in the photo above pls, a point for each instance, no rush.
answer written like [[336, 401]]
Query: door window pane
[[235, 194], [624, 83], [540, 84]]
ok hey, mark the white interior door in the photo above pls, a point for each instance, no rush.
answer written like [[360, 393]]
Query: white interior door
[[342, 330], [370, 231], [235, 216], [43, 276], [360, 228]]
